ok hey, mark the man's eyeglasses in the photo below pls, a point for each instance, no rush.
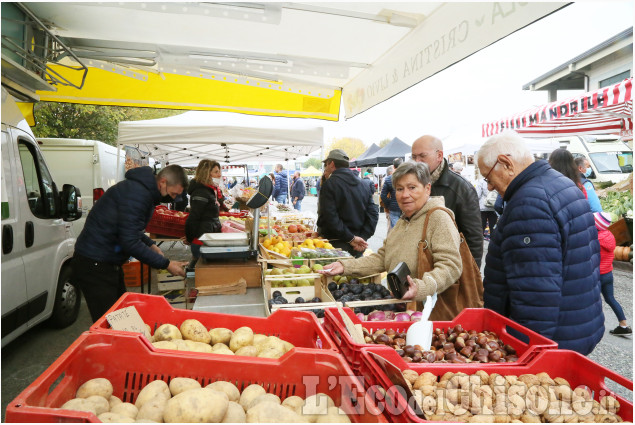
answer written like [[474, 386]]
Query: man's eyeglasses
[[486, 178], [421, 156]]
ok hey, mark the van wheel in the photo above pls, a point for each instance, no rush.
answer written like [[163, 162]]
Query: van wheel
[[67, 301]]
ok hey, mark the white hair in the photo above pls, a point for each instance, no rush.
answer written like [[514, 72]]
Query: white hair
[[457, 166], [508, 142]]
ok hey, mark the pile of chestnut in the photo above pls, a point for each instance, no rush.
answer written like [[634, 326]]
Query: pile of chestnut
[[455, 345]]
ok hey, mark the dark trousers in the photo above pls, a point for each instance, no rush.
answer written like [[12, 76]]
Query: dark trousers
[[102, 284], [491, 217], [346, 247], [606, 280]]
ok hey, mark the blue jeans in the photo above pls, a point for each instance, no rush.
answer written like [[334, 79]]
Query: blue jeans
[[394, 216], [281, 199], [606, 280], [298, 205]]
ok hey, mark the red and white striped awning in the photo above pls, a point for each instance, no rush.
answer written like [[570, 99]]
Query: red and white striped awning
[[605, 111]]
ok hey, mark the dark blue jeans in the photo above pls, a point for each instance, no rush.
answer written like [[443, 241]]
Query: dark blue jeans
[[607, 292]]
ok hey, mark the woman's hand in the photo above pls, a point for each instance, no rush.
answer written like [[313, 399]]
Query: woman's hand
[[332, 269], [412, 289]]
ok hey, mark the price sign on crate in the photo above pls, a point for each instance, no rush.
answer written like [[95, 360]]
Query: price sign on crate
[[127, 319]]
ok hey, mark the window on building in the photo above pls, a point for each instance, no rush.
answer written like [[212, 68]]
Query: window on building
[[615, 79]]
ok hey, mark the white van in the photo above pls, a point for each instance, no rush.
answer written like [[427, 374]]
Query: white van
[[37, 243], [611, 158], [94, 168]]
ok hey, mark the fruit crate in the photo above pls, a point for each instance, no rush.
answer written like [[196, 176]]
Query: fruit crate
[[292, 292], [299, 328], [241, 214], [132, 273], [577, 369], [167, 225], [479, 319], [129, 363]]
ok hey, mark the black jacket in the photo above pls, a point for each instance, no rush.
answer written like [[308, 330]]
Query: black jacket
[[298, 190], [346, 207], [114, 229], [371, 184], [204, 211], [460, 196]]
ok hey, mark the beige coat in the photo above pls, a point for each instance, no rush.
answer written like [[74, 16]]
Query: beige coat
[[402, 245]]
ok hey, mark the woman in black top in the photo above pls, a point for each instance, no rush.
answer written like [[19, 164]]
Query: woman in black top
[[206, 202]]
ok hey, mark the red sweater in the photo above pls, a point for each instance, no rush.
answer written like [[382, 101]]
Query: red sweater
[[607, 250]]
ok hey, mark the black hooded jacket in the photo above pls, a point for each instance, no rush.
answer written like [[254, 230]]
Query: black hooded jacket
[[204, 211], [346, 207]]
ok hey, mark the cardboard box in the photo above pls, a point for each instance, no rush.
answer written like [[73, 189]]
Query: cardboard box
[[168, 282], [207, 273]]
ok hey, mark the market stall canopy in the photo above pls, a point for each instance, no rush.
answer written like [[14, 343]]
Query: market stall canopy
[[608, 110], [283, 59], [311, 172], [187, 138], [384, 157], [368, 152]]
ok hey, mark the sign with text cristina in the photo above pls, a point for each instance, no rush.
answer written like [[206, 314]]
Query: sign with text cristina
[[451, 33]]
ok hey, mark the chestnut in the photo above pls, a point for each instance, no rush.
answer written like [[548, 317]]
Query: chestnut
[[439, 355], [382, 339], [448, 346], [459, 343], [400, 352], [368, 339], [466, 351], [493, 345], [481, 358], [399, 341], [494, 356], [449, 356], [511, 358], [509, 349], [452, 337], [430, 356], [481, 340], [409, 350], [407, 359], [418, 347], [470, 343], [416, 358], [401, 335]]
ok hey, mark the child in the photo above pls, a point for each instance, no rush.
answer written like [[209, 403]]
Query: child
[[607, 248]]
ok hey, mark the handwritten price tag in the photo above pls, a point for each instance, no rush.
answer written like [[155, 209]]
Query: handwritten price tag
[[127, 319]]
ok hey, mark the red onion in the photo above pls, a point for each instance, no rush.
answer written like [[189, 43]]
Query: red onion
[[390, 315], [361, 317], [410, 312], [377, 315], [416, 316], [402, 317]]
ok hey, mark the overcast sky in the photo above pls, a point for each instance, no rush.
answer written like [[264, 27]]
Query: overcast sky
[[488, 85]]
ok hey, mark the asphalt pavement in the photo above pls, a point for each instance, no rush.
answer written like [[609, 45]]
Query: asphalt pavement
[[28, 356]]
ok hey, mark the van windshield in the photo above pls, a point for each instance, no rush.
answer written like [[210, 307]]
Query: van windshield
[[613, 162]]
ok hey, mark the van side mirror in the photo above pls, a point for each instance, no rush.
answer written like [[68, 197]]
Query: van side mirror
[[71, 200]]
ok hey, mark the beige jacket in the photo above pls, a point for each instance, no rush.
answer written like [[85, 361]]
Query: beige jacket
[[402, 245]]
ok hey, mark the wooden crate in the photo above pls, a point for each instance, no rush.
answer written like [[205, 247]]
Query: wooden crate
[[291, 292], [301, 307], [623, 235], [374, 278]]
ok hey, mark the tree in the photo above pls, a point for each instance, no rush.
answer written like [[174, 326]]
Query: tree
[[353, 147], [76, 121], [384, 142], [315, 162]]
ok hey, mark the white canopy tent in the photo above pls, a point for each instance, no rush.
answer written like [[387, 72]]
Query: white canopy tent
[[187, 138]]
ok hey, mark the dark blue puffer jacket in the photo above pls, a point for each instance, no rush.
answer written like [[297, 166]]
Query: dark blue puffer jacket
[[114, 229], [542, 265], [387, 189], [281, 186]]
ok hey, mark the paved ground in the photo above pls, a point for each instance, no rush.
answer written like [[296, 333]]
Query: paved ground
[[27, 357]]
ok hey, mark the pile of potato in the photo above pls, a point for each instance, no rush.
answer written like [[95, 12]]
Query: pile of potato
[[495, 398], [184, 400], [194, 336]]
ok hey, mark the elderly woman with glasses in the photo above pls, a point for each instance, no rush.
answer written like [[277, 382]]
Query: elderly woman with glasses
[[412, 188]]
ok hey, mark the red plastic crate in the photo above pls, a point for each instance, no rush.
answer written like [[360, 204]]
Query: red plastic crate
[[132, 273], [572, 366], [168, 225], [300, 328], [242, 214], [479, 319], [129, 364]]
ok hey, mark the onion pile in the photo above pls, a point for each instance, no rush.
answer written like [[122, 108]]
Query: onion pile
[[387, 316]]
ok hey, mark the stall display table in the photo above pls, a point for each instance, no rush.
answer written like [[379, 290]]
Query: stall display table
[[250, 304]]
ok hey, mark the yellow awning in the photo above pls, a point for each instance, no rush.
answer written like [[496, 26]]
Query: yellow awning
[[311, 172], [27, 110], [206, 92]]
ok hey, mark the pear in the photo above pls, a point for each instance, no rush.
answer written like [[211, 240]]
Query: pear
[[337, 278], [268, 272], [304, 282], [317, 267], [276, 271]]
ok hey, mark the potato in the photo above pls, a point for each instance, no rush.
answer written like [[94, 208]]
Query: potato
[[167, 332], [153, 409], [219, 346], [114, 401], [249, 394], [235, 414], [223, 350], [270, 353], [262, 398], [294, 403], [199, 347], [181, 345], [222, 335], [200, 406], [242, 337], [114, 418], [316, 405], [233, 394], [165, 345], [149, 329], [152, 390], [80, 405], [248, 351], [194, 330], [144, 421], [287, 346], [97, 386], [178, 385], [259, 338], [126, 409], [334, 415], [271, 412], [101, 404]]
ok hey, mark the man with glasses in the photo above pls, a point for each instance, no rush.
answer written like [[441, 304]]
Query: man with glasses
[[459, 194]]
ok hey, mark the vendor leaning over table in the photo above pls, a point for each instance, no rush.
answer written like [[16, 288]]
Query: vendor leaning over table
[[206, 202], [412, 186], [114, 232]]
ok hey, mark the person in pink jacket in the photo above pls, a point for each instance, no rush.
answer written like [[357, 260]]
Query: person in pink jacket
[[607, 252]]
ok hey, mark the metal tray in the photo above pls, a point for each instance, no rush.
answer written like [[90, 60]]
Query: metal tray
[[225, 239]]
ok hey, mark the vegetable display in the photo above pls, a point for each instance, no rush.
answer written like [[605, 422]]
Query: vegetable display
[[618, 204]]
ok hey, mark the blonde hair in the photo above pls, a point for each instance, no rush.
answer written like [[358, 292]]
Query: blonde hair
[[204, 169]]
